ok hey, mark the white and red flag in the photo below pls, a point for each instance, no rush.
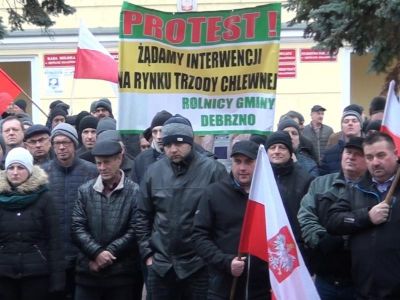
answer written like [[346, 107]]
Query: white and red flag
[[93, 61], [267, 234], [391, 116]]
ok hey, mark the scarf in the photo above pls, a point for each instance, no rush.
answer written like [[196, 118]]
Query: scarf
[[15, 200]]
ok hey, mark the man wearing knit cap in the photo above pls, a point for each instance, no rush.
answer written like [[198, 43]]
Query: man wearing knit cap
[[170, 192], [87, 134], [217, 227], [351, 126], [37, 141], [376, 108], [301, 155], [334, 138], [66, 173], [106, 123], [104, 231], [292, 180], [317, 132], [102, 108], [147, 157], [57, 116]]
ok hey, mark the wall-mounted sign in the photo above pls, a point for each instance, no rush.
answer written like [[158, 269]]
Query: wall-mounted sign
[[287, 63], [59, 60], [311, 55]]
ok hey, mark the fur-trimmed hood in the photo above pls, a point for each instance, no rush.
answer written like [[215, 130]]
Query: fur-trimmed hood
[[37, 179]]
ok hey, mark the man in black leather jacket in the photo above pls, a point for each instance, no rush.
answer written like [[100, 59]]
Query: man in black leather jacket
[[103, 229], [169, 195]]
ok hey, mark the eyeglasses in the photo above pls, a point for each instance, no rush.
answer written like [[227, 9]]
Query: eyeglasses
[[40, 141], [63, 143]]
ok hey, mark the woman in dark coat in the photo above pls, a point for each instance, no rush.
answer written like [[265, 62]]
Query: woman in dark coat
[[31, 260]]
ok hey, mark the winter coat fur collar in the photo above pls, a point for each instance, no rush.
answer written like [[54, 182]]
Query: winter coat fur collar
[[37, 179]]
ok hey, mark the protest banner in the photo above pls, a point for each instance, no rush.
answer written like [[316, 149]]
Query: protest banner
[[219, 68]]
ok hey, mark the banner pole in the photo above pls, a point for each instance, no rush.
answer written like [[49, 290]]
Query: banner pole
[[33, 102]]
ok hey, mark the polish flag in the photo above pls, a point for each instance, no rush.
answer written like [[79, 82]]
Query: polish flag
[[9, 90], [266, 233], [391, 116], [93, 61]]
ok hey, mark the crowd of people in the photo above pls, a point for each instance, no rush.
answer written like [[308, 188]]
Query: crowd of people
[[87, 213]]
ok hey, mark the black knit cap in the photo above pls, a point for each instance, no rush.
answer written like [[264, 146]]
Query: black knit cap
[[106, 148], [377, 105], [88, 122], [21, 103], [57, 111], [287, 122], [373, 125], [247, 148], [177, 129], [354, 107], [160, 118], [80, 116], [36, 129], [279, 137]]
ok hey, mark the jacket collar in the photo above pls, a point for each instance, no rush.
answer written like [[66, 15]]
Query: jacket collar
[[37, 179], [99, 186]]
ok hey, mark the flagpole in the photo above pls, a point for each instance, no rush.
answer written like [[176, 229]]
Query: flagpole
[[234, 282], [71, 97], [33, 102], [389, 196]]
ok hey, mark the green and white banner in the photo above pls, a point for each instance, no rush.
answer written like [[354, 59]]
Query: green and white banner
[[217, 68]]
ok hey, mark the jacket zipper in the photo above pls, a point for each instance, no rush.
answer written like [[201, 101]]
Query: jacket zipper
[[40, 252]]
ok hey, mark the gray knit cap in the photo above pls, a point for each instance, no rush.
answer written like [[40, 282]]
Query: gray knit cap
[[67, 130], [352, 113], [177, 129], [106, 123]]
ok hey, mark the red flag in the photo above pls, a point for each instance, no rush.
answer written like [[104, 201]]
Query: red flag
[[391, 116], [267, 234], [9, 90], [93, 61]]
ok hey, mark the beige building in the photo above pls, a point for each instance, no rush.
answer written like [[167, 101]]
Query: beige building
[[41, 62]]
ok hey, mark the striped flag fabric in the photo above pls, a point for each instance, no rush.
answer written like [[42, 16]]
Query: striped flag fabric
[[391, 116], [93, 61], [266, 233]]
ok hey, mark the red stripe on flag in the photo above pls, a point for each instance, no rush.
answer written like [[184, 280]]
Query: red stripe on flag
[[395, 137], [253, 239], [9, 90], [92, 64]]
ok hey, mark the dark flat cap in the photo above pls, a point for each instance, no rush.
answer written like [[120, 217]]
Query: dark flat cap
[[106, 148], [317, 108], [36, 129], [247, 148], [355, 142]]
